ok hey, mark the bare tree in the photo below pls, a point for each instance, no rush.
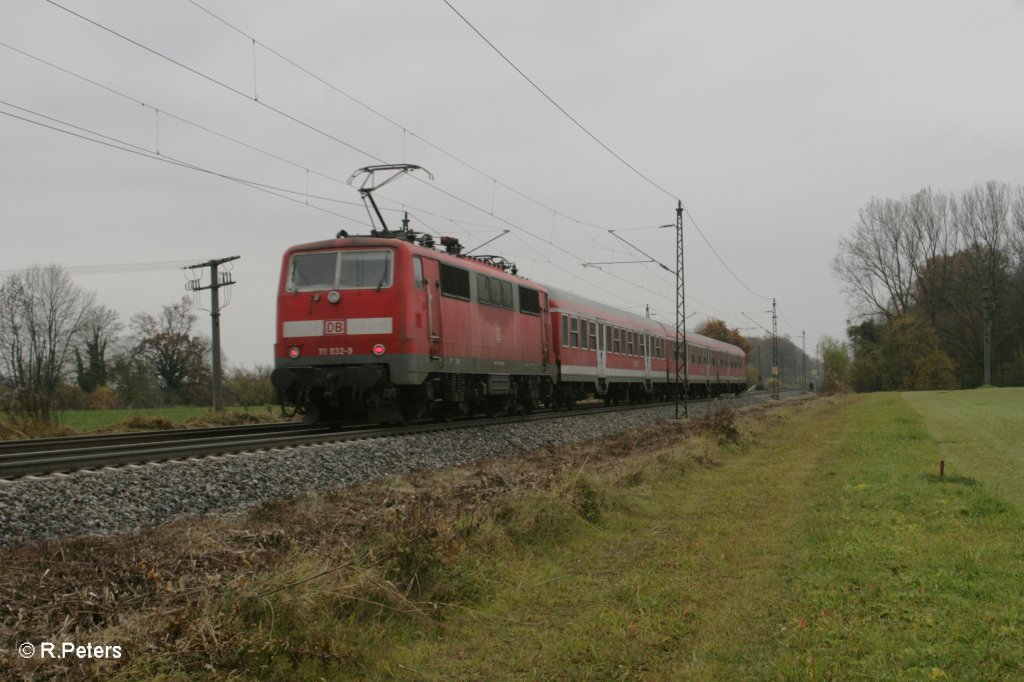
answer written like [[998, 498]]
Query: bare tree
[[929, 217], [878, 263], [42, 312], [1017, 230], [983, 214]]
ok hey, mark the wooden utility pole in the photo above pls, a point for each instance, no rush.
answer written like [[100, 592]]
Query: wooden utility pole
[[217, 280]]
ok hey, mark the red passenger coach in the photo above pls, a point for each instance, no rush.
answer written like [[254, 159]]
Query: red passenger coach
[[620, 356], [388, 328]]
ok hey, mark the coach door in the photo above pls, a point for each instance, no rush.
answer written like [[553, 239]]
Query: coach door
[[545, 326], [602, 362], [647, 358], [432, 285]]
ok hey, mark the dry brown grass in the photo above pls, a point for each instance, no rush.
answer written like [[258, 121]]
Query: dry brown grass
[[172, 591]]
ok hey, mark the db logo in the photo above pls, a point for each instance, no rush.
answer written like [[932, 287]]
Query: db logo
[[334, 326]]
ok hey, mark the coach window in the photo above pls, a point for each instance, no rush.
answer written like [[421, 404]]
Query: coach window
[[629, 342], [607, 338], [454, 282], [574, 332], [565, 331]]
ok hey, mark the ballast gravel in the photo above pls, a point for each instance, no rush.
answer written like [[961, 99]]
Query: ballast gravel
[[112, 500]]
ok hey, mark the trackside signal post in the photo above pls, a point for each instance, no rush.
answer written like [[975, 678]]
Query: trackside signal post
[[217, 280]]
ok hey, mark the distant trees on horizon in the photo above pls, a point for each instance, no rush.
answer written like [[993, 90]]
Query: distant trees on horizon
[[60, 349], [916, 270]]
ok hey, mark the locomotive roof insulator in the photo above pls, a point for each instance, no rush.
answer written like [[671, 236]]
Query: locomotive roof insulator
[[451, 245]]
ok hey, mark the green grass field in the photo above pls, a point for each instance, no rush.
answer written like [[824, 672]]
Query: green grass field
[[828, 549], [821, 545], [85, 421]]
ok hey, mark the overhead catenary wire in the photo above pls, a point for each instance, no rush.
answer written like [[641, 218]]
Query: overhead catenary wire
[[361, 151], [603, 145], [558, 106], [319, 131], [384, 117], [130, 148], [116, 268]]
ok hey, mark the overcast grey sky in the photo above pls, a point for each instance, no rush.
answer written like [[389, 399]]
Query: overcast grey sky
[[773, 122]]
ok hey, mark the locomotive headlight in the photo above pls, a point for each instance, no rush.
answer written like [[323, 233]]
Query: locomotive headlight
[[333, 297], [378, 349], [294, 352]]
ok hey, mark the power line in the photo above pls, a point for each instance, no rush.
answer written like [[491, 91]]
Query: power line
[[216, 133], [299, 121], [130, 148], [559, 106], [115, 268], [602, 144], [388, 119], [331, 137]]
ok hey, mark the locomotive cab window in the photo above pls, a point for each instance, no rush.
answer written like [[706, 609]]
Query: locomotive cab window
[[417, 272], [340, 270]]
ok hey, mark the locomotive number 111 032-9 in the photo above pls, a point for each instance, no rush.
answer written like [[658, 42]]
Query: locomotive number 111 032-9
[[336, 350]]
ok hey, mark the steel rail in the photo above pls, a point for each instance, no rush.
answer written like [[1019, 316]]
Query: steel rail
[[18, 464], [24, 445]]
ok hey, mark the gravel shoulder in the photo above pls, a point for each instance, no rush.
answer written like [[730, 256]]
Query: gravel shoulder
[[124, 499]]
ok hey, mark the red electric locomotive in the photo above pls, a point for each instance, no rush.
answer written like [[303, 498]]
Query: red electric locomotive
[[393, 329]]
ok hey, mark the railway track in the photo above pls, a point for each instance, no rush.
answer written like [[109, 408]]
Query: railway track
[[54, 455]]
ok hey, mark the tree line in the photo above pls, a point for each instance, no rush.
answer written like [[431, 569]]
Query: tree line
[[61, 349], [918, 271], [795, 367]]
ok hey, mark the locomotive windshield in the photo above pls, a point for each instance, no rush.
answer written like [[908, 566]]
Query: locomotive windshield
[[340, 270]]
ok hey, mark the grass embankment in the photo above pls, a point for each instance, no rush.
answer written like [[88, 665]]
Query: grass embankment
[[816, 542], [71, 422]]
